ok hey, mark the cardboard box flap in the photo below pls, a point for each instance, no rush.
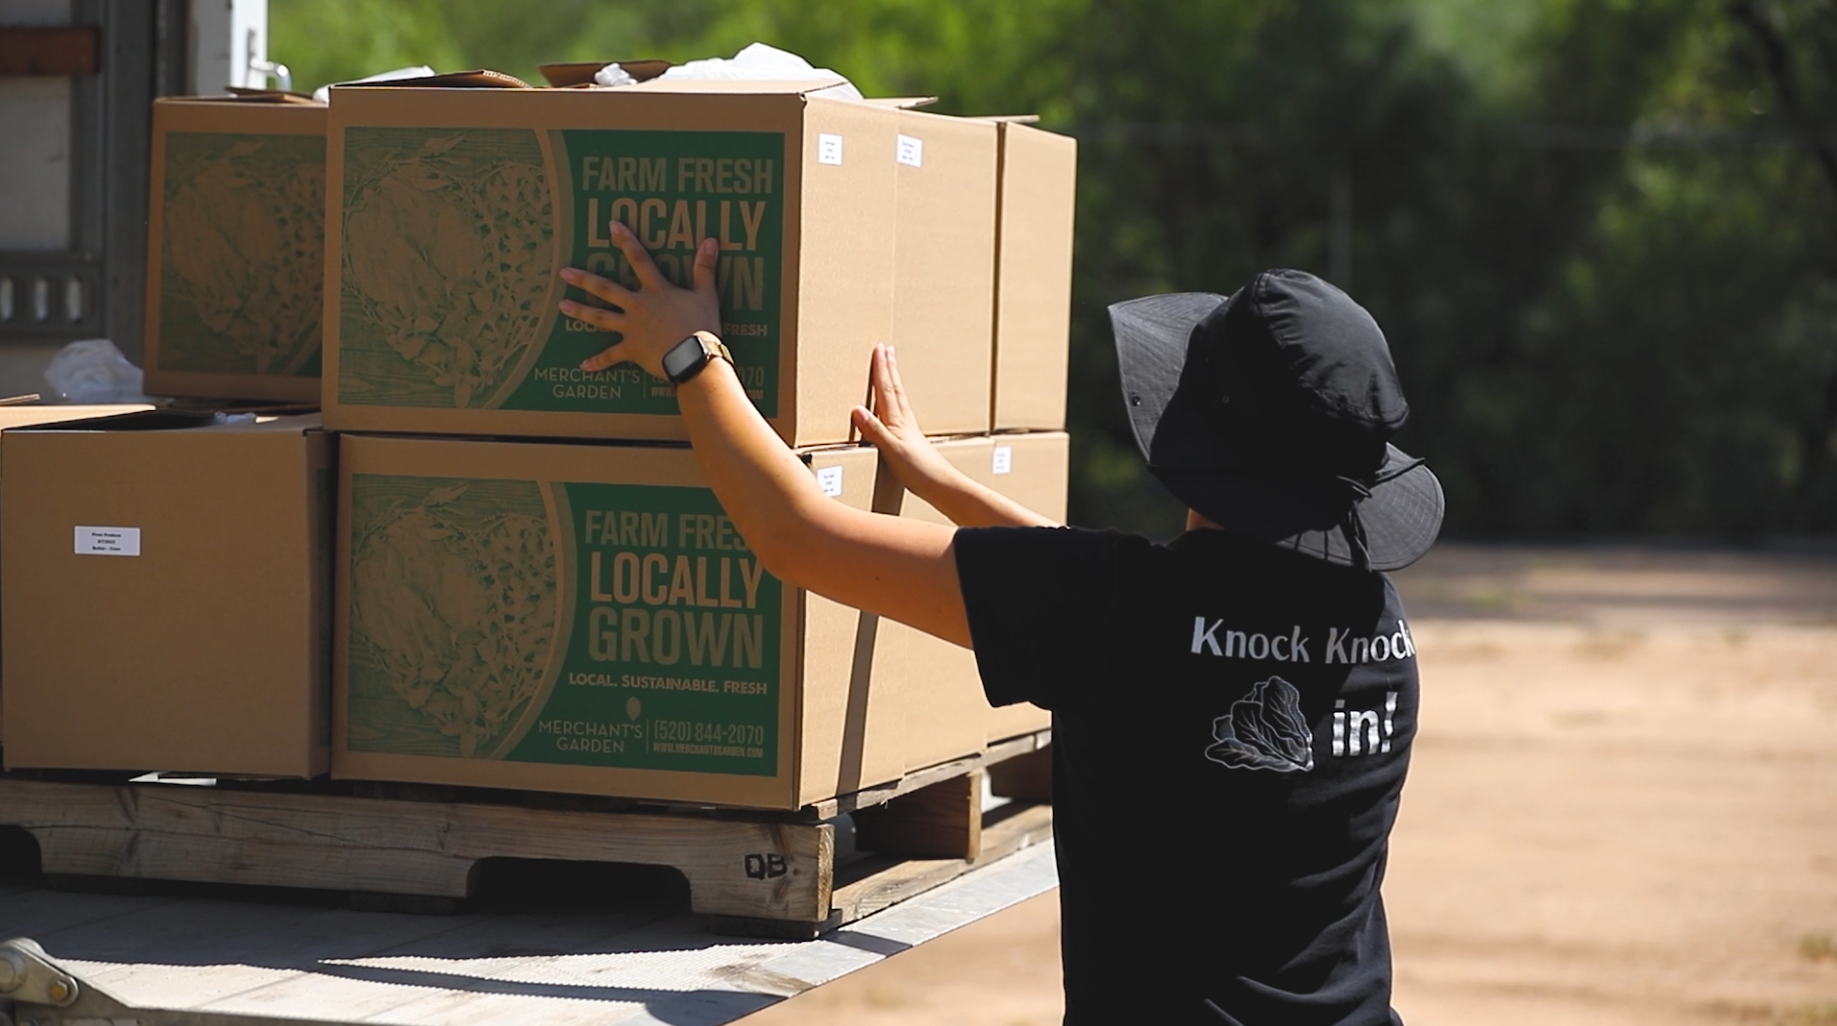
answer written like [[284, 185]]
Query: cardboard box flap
[[148, 420], [806, 452], [1012, 119], [478, 78], [579, 73], [735, 87], [133, 420], [237, 96], [13, 418], [244, 94], [902, 102], [177, 420]]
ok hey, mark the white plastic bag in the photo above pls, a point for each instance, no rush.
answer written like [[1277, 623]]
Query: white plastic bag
[[94, 371], [762, 63], [613, 75]]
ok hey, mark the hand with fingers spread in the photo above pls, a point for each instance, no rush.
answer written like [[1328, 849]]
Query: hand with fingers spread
[[655, 316], [893, 428]]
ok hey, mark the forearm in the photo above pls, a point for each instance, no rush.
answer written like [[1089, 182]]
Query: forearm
[[887, 565], [896, 567], [764, 486], [761, 483], [969, 503]]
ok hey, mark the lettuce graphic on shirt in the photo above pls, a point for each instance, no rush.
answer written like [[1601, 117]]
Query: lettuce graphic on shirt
[[1264, 731]]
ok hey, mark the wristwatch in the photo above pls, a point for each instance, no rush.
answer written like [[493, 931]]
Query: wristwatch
[[687, 358]]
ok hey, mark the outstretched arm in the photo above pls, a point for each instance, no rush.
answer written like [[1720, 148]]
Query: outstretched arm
[[898, 568], [894, 429]]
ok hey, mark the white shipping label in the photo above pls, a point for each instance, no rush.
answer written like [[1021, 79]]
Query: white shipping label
[[830, 480], [1004, 459], [108, 541], [828, 149], [911, 151]]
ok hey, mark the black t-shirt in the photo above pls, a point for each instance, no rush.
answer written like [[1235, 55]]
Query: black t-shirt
[[1231, 728]]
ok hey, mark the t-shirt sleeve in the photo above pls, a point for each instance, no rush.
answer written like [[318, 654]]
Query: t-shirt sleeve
[[1043, 606]]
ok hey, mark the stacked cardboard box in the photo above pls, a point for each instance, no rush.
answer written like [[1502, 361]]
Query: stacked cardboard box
[[13, 417], [165, 592], [1033, 275], [234, 252], [842, 224], [534, 587], [167, 600], [584, 617], [459, 207], [947, 714], [167, 597]]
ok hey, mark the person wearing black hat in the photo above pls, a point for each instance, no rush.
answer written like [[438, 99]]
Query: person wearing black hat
[[1232, 712]]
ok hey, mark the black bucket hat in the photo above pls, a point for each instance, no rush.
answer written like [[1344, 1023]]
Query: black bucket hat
[[1271, 412]]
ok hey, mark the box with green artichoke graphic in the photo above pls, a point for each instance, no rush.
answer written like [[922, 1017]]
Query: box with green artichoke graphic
[[235, 257], [585, 617], [450, 212]]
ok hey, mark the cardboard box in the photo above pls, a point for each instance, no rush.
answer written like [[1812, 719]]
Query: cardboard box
[[1033, 470], [164, 587], [583, 617], [235, 258], [946, 711], [457, 207], [27, 416], [944, 268], [1033, 292]]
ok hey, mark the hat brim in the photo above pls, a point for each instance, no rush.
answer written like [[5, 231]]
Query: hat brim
[[1400, 519], [1151, 339]]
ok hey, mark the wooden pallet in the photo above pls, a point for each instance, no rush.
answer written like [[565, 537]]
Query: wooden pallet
[[775, 874]]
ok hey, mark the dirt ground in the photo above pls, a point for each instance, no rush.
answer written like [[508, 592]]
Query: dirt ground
[[1622, 810]]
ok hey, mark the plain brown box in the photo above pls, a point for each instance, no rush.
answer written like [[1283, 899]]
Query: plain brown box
[[203, 653], [27, 416], [835, 293], [252, 118], [946, 708], [1039, 178], [944, 268], [839, 720]]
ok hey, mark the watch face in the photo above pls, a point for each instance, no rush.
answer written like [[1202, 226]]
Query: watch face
[[684, 359]]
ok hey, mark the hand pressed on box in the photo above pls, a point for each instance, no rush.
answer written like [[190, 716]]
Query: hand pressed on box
[[892, 427], [652, 318]]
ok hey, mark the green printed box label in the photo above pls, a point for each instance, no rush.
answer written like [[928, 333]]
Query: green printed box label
[[453, 239], [242, 258], [576, 624]]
